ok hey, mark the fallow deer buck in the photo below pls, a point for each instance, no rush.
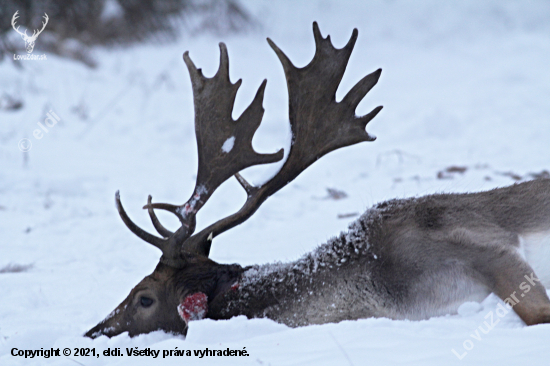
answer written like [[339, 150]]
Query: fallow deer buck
[[403, 259]]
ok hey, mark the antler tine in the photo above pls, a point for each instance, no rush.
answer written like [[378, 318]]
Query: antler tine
[[168, 246], [317, 33], [285, 61], [359, 90], [364, 120], [250, 189], [142, 234], [194, 73], [351, 43], [223, 70], [156, 223], [319, 124]]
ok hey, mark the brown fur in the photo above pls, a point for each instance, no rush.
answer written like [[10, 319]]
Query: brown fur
[[403, 259]]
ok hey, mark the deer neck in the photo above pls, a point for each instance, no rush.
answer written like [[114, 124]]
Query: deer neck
[[317, 288]]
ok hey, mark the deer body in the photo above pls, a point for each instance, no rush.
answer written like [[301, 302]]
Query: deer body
[[406, 259], [403, 259]]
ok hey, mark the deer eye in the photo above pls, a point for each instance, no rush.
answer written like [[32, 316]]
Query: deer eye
[[146, 301]]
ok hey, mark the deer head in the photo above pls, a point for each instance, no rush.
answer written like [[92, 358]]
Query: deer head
[[29, 40], [186, 283]]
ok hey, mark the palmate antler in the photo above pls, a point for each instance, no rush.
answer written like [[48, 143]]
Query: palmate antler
[[319, 125]]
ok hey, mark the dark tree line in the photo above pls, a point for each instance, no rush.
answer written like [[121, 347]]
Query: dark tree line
[[115, 22]]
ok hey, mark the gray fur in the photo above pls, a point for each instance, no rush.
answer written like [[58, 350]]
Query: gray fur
[[403, 259]]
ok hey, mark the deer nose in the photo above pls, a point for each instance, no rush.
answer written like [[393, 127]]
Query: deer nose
[[101, 329], [94, 332]]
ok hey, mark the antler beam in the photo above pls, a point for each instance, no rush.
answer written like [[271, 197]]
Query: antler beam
[[318, 123]]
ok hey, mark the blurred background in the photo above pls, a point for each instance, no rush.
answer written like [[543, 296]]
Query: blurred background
[[82, 24]]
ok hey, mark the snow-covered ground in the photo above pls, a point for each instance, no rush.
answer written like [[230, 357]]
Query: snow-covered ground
[[464, 84]]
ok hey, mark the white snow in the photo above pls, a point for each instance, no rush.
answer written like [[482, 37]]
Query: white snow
[[464, 84], [228, 144]]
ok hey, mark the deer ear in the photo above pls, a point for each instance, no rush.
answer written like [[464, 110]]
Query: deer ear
[[193, 307]]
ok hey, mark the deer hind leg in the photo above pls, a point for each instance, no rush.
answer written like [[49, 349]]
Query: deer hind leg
[[515, 282], [494, 255]]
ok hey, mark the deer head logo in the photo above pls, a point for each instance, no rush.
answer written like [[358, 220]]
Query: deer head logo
[[29, 40]]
